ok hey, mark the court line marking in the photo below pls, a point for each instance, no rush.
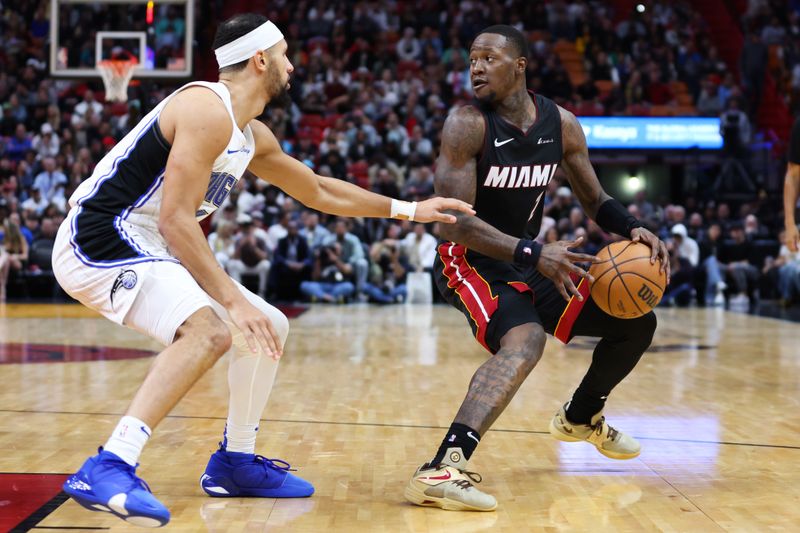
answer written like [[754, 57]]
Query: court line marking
[[70, 527], [684, 496], [412, 426], [41, 513]]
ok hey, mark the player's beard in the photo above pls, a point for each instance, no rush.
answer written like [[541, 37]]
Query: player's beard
[[281, 99], [279, 92]]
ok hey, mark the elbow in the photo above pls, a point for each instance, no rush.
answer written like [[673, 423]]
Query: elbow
[[167, 226], [313, 197]]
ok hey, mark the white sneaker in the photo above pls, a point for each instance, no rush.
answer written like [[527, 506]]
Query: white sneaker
[[449, 488], [608, 441]]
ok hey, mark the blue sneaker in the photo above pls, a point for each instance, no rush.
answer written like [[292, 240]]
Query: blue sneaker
[[230, 474], [107, 483]]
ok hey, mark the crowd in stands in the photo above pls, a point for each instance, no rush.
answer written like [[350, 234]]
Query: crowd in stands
[[372, 86], [776, 23]]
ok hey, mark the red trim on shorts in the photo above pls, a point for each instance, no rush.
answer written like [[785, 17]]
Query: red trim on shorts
[[522, 287], [571, 312], [470, 286]]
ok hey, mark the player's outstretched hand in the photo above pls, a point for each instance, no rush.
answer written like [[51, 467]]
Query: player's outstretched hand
[[256, 328], [657, 246], [557, 262], [432, 210], [792, 238]]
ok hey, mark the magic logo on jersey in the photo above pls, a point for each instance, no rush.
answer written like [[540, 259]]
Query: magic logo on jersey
[[219, 187], [515, 177], [126, 280]]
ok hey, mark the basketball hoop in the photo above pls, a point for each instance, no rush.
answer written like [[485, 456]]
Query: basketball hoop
[[117, 74]]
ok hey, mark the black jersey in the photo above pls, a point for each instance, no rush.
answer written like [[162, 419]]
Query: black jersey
[[515, 167], [794, 143]]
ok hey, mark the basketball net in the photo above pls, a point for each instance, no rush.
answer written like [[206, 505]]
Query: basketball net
[[117, 74]]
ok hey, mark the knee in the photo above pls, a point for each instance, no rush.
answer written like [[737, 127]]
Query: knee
[[209, 334], [281, 325], [527, 341], [645, 327], [218, 339]]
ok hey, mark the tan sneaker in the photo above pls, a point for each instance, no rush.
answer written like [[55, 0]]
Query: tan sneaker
[[608, 441], [448, 487]]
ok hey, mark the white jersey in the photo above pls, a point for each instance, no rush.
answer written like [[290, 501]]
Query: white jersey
[[116, 211]]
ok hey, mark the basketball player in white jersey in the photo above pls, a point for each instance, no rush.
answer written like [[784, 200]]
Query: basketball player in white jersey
[[131, 249]]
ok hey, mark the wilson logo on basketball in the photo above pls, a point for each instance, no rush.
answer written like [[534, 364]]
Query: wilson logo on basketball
[[647, 295]]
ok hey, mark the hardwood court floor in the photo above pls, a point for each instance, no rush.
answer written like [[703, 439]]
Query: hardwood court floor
[[364, 394]]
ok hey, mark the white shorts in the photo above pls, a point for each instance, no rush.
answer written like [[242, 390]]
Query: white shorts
[[152, 297]]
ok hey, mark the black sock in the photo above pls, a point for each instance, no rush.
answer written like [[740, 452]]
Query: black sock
[[459, 436], [584, 406]]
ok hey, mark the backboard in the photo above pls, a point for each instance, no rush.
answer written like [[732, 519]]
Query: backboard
[[158, 33]]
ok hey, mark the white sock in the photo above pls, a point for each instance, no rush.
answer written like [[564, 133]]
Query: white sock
[[250, 379], [240, 437], [128, 439]]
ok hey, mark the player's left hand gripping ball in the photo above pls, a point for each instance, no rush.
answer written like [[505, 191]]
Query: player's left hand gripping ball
[[433, 210], [656, 245]]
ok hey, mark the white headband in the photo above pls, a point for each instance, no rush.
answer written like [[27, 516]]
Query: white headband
[[245, 47]]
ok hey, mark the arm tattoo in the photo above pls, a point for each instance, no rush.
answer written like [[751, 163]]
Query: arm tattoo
[[462, 140]]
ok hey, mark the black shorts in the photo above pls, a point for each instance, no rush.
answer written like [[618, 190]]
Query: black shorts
[[497, 296]]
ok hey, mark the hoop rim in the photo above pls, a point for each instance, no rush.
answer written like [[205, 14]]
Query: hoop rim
[[120, 66]]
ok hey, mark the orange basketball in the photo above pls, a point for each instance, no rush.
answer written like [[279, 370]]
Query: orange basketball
[[625, 284]]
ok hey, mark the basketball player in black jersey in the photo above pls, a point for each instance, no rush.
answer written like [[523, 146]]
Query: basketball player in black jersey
[[499, 154]]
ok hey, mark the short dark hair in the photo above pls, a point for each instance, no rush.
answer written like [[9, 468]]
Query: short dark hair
[[512, 34], [232, 29]]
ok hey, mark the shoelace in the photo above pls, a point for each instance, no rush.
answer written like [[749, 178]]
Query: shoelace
[[463, 483], [273, 463], [612, 433]]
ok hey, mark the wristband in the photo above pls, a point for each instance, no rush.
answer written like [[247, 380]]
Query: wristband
[[614, 218], [403, 210], [527, 252]]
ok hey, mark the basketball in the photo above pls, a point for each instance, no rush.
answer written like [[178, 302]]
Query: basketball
[[626, 284]]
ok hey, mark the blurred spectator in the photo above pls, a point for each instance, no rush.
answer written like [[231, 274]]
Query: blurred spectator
[[278, 231], [685, 246], [14, 254], [50, 181], [46, 143], [19, 144], [787, 265], [561, 205], [708, 101], [390, 267], [331, 276], [710, 253], [386, 184], [753, 230], [420, 247], [679, 290], [742, 276], [86, 109], [408, 47], [351, 252], [223, 242], [36, 202], [419, 185], [734, 126], [251, 255], [292, 264], [314, 233]]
